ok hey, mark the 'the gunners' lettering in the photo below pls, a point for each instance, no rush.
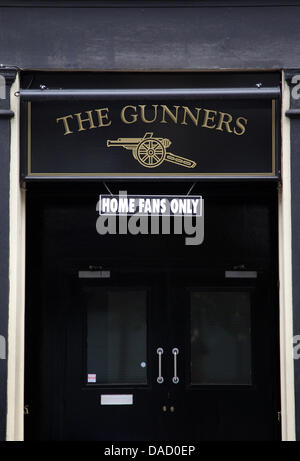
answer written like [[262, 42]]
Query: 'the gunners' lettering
[[154, 113], [95, 119]]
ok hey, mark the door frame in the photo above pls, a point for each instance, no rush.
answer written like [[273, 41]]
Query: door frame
[[16, 327]]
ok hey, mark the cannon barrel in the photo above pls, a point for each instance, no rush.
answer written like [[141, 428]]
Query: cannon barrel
[[124, 142]]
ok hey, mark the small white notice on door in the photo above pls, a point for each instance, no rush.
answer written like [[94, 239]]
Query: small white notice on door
[[92, 377], [116, 399]]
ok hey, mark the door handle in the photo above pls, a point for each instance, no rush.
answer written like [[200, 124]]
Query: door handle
[[160, 352], [175, 352]]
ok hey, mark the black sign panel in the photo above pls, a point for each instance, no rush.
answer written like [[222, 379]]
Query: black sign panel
[[190, 138]]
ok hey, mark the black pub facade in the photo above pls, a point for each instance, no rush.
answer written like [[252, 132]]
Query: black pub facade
[[149, 204]]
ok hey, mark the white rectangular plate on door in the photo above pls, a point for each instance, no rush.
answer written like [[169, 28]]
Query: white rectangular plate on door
[[94, 274], [117, 399], [241, 274]]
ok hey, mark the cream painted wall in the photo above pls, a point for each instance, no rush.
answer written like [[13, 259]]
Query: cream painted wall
[[15, 384], [285, 277]]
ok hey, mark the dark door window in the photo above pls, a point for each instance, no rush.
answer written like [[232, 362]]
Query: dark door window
[[220, 337], [116, 335]]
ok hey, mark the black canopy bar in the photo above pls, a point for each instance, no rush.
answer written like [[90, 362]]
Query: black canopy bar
[[151, 93]]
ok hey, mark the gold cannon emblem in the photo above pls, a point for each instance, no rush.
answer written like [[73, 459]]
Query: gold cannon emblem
[[151, 152]]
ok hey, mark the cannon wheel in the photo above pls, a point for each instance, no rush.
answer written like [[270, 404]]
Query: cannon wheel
[[151, 153]]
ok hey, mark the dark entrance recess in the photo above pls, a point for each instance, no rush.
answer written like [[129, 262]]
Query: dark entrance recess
[[166, 303]]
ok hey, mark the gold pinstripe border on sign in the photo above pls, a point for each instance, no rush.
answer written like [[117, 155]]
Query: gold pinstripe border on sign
[[273, 136], [150, 175], [29, 138]]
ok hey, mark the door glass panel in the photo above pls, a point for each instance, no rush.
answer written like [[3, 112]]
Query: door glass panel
[[116, 335], [220, 337]]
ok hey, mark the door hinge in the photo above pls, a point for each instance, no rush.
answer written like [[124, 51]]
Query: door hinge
[[279, 416], [26, 410]]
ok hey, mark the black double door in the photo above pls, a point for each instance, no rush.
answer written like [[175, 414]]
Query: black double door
[[159, 341], [168, 356]]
